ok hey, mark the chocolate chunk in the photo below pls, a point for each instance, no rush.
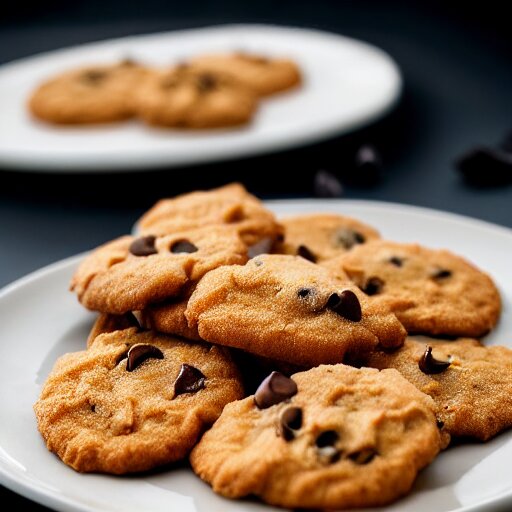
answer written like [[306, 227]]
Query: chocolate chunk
[[346, 305], [441, 274], [430, 365], [395, 260], [290, 421], [274, 389], [264, 246], [348, 238], [373, 286], [363, 456], [139, 353], [189, 380], [183, 246], [327, 185], [485, 166], [327, 438], [143, 246], [305, 293], [368, 165], [306, 253], [206, 82], [93, 76]]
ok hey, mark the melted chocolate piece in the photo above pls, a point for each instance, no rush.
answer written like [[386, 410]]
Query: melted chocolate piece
[[373, 286], [306, 253], [183, 246], [290, 421], [274, 389], [346, 305], [139, 353], [430, 365], [189, 380], [143, 246]]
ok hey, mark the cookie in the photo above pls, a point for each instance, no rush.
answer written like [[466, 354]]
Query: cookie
[[95, 94], [430, 291], [185, 97], [471, 384], [133, 401], [322, 236], [130, 273], [332, 437], [169, 317], [230, 204], [289, 309], [263, 75], [109, 323]]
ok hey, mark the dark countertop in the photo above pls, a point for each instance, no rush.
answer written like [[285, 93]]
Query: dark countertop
[[458, 85]]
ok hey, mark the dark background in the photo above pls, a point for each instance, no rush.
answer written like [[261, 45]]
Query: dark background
[[457, 68]]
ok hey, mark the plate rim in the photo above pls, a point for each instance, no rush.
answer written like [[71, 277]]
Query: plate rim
[[63, 163], [37, 492]]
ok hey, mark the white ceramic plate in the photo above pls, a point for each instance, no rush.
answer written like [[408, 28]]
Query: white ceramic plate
[[40, 320], [347, 84]]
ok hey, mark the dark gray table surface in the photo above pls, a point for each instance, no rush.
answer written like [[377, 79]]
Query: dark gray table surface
[[458, 92]]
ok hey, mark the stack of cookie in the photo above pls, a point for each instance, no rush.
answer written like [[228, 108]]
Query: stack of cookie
[[207, 92], [214, 299]]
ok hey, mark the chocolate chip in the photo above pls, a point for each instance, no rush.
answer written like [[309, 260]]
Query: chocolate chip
[[189, 380], [306, 253], [327, 185], [93, 76], [305, 293], [373, 286], [290, 421], [347, 238], [183, 246], [363, 456], [143, 246], [441, 274], [93, 408], [430, 365], [274, 389], [206, 82], [346, 305], [327, 438], [485, 166], [440, 424], [264, 246], [139, 353], [395, 260], [368, 165]]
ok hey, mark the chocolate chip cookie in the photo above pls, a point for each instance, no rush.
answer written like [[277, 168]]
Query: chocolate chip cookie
[[130, 273], [95, 94], [230, 204], [133, 401], [263, 75], [471, 384], [430, 291], [289, 309], [322, 236], [186, 97], [332, 437]]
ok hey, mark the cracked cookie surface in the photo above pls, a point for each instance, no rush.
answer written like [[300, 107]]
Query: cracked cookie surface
[[333, 437], [289, 309], [133, 401]]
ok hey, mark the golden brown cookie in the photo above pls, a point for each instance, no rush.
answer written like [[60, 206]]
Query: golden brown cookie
[[471, 384], [321, 236], [185, 97], [95, 94], [330, 438], [106, 323], [230, 204], [288, 309], [263, 75], [133, 401], [430, 291], [130, 273]]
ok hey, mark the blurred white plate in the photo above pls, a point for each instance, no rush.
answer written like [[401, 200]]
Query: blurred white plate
[[40, 320], [347, 84]]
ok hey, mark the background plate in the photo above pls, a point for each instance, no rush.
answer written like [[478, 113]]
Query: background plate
[[41, 320], [347, 84]]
